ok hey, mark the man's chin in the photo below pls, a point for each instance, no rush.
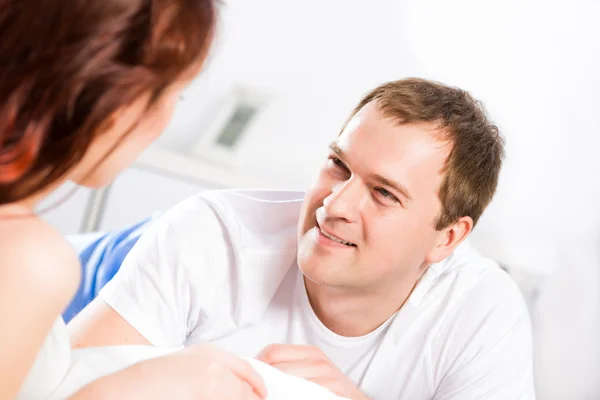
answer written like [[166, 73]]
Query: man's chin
[[316, 281], [307, 267], [319, 272]]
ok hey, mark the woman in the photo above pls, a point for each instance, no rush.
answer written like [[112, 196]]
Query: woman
[[85, 86]]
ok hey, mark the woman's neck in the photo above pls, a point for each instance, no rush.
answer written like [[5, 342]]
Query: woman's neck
[[28, 205]]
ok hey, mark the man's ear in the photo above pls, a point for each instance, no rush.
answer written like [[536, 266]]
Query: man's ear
[[449, 238]]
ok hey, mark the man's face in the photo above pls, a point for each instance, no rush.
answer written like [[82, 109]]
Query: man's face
[[377, 193]]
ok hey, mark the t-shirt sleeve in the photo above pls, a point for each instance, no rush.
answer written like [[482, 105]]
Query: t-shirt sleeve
[[486, 350], [171, 276]]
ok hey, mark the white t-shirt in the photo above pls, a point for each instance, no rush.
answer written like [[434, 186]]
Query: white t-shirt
[[221, 267]]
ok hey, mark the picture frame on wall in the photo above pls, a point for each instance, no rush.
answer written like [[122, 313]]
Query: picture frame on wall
[[230, 125]]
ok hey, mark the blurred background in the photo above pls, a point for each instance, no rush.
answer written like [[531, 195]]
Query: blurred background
[[284, 75]]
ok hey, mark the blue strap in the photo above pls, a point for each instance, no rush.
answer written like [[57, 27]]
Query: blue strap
[[100, 261]]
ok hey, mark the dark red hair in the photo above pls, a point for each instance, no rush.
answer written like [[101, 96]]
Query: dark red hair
[[66, 67]]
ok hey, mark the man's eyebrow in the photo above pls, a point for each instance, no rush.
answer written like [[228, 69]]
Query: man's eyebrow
[[336, 149], [376, 177], [394, 185]]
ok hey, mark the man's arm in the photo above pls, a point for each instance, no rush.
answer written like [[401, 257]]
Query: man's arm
[[99, 325], [166, 281]]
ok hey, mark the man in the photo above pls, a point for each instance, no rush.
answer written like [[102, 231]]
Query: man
[[366, 287]]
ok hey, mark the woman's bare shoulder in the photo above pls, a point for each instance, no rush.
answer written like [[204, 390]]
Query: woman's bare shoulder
[[37, 256]]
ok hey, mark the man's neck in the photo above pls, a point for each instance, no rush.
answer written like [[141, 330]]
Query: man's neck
[[358, 313]]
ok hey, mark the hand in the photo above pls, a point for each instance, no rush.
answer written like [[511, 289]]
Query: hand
[[310, 363], [202, 372]]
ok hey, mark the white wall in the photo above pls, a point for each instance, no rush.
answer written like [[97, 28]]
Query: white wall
[[316, 58], [65, 209]]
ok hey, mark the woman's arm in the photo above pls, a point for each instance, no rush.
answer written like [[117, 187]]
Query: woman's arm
[[196, 372], [39, 273], [126, 384]]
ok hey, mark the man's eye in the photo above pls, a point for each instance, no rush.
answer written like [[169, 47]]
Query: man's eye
[[387, 194], [338, 162]]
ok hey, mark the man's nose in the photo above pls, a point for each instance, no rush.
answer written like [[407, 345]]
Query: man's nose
[[344, 201]]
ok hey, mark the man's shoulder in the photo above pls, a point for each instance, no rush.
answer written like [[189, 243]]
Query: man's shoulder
[[227, 247], [254, 233], [260, 212], [474, 283], [237, 214], [468, 261], [479, 320]]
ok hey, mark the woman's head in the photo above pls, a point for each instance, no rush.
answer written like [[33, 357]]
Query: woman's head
[[85, 86]]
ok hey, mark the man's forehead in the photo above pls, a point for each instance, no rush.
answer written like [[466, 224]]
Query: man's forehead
[[398, 152], [369, 130]]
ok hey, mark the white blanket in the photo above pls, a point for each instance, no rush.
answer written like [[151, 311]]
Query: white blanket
[[90, 364]]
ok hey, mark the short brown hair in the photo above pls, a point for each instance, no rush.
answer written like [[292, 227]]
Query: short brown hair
[[474, 162], [66, 71]]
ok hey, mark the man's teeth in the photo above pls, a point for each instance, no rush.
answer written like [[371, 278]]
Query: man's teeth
[[336, 239]]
